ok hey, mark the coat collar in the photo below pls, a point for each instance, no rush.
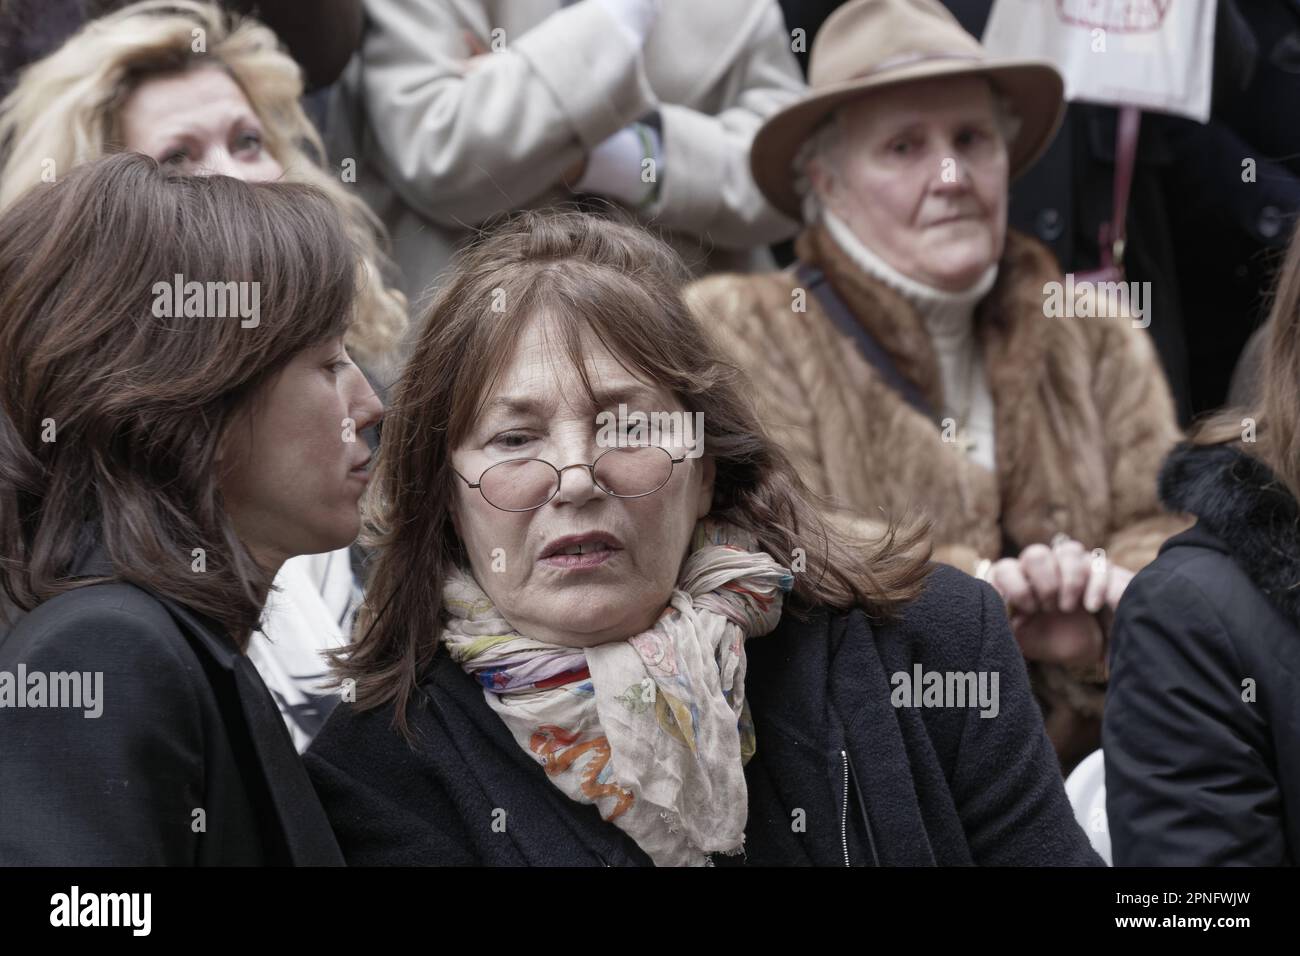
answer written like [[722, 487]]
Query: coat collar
[[447, 683], [93, 561], [817, 690], [1253, 516], [1009, 325], [882, 311], [309, 839]]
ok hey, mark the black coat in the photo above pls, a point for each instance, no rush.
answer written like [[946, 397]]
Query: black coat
[[1197, 772], [186, 725], [870, 783]]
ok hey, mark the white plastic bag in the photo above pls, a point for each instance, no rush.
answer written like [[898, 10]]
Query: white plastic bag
[[1154, 54]]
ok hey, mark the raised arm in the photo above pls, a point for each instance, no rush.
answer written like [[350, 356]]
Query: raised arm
[[464, 140]]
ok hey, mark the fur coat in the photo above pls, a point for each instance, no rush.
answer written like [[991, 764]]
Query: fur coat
[[1083, 415]]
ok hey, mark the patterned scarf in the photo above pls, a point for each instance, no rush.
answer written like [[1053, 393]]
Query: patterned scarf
[[654, 730]]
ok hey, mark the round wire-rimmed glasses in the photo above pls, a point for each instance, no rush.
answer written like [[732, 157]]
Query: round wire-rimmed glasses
[[525, 484]]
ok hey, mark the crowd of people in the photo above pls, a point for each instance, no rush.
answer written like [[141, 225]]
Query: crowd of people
[[570, 433]]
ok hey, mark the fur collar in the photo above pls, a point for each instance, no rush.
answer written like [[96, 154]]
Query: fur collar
[[1009, 325], [1240, 501], [1006, 321]]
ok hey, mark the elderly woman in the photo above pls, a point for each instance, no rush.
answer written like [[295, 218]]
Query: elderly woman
[[907, 364], [200, 93], [589, 640]]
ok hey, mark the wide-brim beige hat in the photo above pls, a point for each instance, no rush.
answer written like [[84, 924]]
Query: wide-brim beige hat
[[867, 45]]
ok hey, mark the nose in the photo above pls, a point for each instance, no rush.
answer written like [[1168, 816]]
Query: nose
[[218, 162], [576, 484], [367, 409], [953, 175]]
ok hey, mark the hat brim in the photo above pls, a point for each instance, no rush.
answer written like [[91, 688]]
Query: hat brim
[[1034, 89]]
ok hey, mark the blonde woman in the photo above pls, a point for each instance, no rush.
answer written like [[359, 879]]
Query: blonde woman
[[182, 81], [205, 93]]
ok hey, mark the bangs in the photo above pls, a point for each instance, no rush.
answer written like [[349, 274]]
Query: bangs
[[288, 243], [572, 303]]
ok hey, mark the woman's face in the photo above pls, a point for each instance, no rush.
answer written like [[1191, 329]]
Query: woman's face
[[294, 464], [920, 177], [201, 122], [539, 410]]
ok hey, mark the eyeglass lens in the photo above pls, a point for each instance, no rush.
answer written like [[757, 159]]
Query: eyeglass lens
[[528, 483]]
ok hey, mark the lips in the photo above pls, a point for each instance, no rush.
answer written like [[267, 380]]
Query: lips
[[961, 217], [591, 542], [362, 470]]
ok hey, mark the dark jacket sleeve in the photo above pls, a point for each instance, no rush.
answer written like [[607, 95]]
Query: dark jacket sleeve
[[384, 808], [115, 789], [1007, 782], [1187, 776]]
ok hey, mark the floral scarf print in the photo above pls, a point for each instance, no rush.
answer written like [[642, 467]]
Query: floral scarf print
[[654, 730]]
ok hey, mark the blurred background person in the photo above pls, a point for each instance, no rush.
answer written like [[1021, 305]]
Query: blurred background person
[[134, 80], [1202, 729], [907, 363], [156, 470], [321, 36], [458, 112]]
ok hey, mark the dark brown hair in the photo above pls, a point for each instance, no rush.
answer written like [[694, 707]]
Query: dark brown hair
[[1276, 410], [625, 286], [138, 403]]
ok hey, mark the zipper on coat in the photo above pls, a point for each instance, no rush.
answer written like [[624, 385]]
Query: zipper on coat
[[844, 809]]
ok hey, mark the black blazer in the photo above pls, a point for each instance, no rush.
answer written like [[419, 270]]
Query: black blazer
[[1202, 729], [840, 777], [189, 762]]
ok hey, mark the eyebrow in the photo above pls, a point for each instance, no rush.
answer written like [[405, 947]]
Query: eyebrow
[[192, 127], [524, 405], [917, 122]]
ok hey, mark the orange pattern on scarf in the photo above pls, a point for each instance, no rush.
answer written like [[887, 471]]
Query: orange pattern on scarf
[[547, 741]]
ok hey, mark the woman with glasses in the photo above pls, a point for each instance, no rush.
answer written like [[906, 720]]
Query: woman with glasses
[[523, 484], [591, 645]]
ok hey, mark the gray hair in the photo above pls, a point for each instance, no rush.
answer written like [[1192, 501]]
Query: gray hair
[[823, 145]]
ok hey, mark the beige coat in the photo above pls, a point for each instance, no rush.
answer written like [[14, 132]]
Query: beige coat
[[440, 149], [1083, 417]]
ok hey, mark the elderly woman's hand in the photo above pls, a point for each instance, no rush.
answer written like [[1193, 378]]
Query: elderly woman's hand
[[1073, 640], [1053, 594], [1062, 577]]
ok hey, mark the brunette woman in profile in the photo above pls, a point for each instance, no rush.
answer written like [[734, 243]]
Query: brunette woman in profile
[[156, 469]]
